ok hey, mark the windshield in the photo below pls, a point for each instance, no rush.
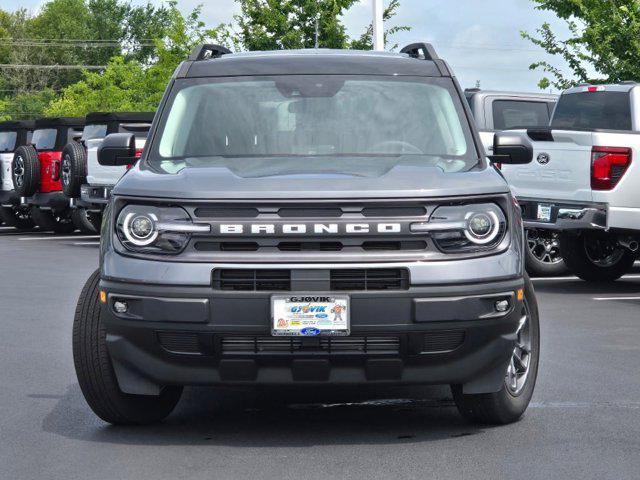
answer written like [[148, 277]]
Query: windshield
[[319, 118], [44, 138], [8, 141], [593, 111], [94, 131]]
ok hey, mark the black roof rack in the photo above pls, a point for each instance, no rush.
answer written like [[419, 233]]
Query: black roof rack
[[17, 125], [208, 51], [60, 121], [423, 51], [474, 89], [99, 117]]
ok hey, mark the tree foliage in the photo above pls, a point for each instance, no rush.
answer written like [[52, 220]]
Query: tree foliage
[[604, 37]]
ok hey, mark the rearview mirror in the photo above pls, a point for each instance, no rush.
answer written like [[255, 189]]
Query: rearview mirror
[[511, 148], [117, 149]]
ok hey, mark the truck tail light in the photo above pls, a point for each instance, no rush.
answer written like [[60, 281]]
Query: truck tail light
[[608, 165]]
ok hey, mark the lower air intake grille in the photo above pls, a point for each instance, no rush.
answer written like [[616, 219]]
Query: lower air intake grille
[[370, 279], [248, 345], [442, 341], [252, 280], [179, 342]]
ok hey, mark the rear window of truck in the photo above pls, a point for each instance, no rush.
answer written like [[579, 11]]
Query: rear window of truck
[[44, 139], [8, 141], [520, 114], [593, 111]]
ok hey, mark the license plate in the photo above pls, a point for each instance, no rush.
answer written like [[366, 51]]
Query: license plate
[[310, 315], [544, 213]]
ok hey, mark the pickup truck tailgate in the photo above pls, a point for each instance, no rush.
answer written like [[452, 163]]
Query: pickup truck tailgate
[[560, 170]]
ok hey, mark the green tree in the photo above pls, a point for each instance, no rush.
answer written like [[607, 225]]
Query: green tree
[[604, 37], [365, 41]]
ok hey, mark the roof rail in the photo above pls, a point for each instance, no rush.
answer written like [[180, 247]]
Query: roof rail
[[628, 82], [423, 51], [208, 51]]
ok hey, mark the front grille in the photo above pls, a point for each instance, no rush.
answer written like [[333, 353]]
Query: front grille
[[250, 345], [179, 342], [313, 246], [442, 341], [252, 280], [369, 279]]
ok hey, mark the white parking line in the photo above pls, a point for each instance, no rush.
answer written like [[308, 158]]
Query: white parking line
[[605, 299], [86, 243], [53, 237]]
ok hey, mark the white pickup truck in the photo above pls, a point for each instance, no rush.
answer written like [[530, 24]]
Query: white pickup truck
[[497, 110], [584, 181]]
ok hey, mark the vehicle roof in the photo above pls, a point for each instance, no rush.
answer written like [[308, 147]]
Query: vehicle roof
[[17, 125], [549, 96], [60, 122], [99, 117], [312, 62], [610, 87]]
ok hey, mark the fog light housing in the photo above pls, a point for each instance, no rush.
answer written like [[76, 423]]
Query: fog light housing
[[120, 306], [502, 306]]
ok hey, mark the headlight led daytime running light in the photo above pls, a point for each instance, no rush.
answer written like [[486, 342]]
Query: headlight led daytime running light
[[465, 228], [140, 229], [151, 229]]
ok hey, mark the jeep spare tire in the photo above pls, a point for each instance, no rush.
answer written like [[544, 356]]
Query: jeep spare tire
[[73, 169], [25, 171]]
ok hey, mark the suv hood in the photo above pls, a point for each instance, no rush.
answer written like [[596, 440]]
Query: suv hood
[[221, 182]]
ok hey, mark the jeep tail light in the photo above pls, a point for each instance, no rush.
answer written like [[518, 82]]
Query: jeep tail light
[[138, 155], [608, 165]]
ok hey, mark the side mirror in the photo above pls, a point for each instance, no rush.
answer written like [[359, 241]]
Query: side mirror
[[117, 149], [511, 148]]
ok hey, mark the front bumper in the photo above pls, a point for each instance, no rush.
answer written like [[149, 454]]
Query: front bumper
[[195, 335], [564, 215]]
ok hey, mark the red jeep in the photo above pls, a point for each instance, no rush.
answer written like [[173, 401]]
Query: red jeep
[[36, 172]]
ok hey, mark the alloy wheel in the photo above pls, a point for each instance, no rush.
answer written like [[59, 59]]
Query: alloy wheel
[[602, 252], [518, 369], [18, 171], [544, 246]]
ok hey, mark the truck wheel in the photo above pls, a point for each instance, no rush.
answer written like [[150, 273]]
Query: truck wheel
[[18, 217], [95, 373], [25, 170], [596, 257], [543, 257], [56, 221], [510, 403], [73, 169], [86, 221]]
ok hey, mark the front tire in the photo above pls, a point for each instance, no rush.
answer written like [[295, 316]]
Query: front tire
[[86, 221], [509, 404], [543, 254], [95, 373], [17, 217], [596, 257]]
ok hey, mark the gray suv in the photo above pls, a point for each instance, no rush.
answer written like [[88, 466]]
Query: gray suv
[[311, 217]]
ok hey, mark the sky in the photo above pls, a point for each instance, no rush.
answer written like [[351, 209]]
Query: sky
[[479, 38]]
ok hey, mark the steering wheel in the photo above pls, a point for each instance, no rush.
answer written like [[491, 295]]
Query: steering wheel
[[396, 147]]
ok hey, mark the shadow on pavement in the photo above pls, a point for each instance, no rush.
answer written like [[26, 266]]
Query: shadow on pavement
[[573, 286], [278, 417]]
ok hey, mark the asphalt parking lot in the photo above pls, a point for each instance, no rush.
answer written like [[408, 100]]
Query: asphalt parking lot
[[584, 421]]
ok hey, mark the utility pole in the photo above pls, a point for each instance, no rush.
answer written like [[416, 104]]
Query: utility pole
[[378, 26]]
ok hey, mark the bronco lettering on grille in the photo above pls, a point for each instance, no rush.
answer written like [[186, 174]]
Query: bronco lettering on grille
[[258, 229]]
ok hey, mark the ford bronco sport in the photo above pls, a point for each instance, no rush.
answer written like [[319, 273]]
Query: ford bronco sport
[[309, 217], [13, 135], [36, 172], [87, 183]]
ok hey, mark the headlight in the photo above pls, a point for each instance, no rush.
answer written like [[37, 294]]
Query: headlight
[[147, 229], [465, 228]]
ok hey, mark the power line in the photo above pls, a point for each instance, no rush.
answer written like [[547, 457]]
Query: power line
[[53, 67], [74, 44]]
